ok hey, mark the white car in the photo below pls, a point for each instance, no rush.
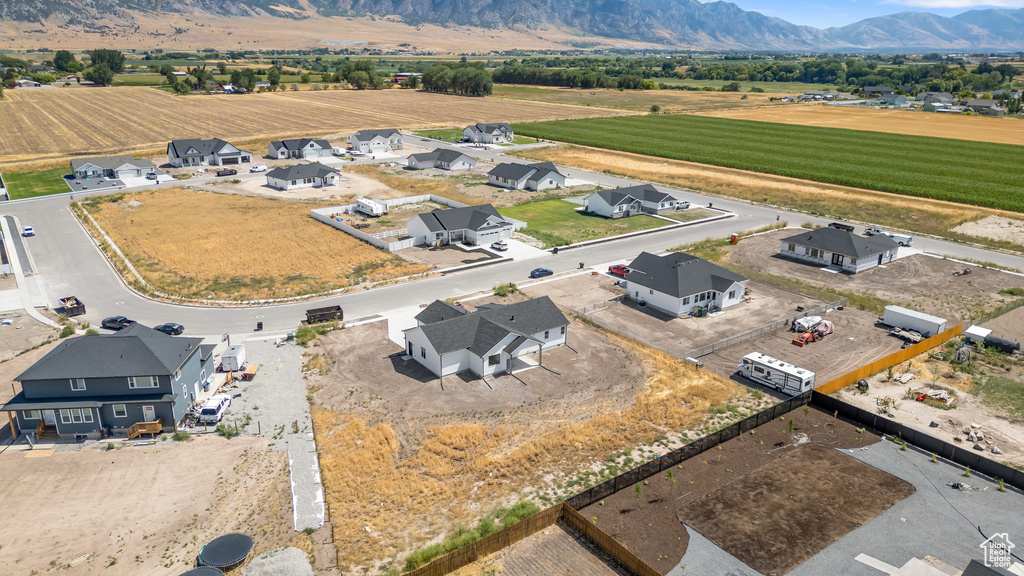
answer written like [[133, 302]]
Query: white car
[[213, 409], [28, 231], [500, 246], [258, 168]]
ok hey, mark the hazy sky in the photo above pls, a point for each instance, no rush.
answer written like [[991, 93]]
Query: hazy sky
[[824, 14]]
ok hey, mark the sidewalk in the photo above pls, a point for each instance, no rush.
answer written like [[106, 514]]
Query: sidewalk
[[32, 295]]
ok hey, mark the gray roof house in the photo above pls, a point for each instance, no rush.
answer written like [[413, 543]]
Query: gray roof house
[[894, 100], [494, 133], [110, 167], [875, 91], [299, 148], [630, 201], [676, 283], [215, 152], [985, 107], [846, 251], [474, 225], [539, 176], [442, 158], [375, 141], [313, 175], [490, 340], [111, 382]]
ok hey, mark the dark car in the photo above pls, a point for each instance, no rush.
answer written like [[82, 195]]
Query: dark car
[[227, 172], [117, 322], [538, 272], [151, 176], [170, 328], [618, 270]]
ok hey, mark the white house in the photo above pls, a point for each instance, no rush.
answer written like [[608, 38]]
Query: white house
[[303, 176], [676, 283], [110, 167], [539, 176], [496, 133], [623, 202], [441, 158], [476, 225], [448, 340], [306, 148], [375, 141], [844, 250], [214, 152], [894, 100]]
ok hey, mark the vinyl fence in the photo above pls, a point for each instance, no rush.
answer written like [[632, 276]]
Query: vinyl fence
[[591, 308], [890, 360]]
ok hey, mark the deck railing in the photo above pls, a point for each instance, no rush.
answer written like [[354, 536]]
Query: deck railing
[[151, 428]]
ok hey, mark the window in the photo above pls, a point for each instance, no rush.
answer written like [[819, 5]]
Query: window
[[563, 329], [494, 360], [202, 375], [143, 382], [792, 247], [652, 292], [423, 352], [120, 411], [732, 294], [547, 333], [176, 375], [75, 415], [686, 300], [78, 384], [31, 415], [853, 261], [758, 369]]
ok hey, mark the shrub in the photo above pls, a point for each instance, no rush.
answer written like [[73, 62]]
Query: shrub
[[522, 509], [504, 290], [228, 432], [423, 556], [67, 331], [181, 436]]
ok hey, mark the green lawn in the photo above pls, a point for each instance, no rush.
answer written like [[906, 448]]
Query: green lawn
[[443, 134], [139, 80], [557, 222], [977, 173], [40, 183]]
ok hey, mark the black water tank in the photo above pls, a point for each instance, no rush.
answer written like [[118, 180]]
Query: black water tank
[[1002, 344]]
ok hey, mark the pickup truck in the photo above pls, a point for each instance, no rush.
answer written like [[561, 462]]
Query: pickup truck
[[901, 239]]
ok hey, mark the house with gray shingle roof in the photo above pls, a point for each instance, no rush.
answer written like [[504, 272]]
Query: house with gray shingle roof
[[442, 158], [96, 382], [110, 167], [630, 201], [475, 225], [676, 283], [490, 340], [844, 250], [539, 176], [375, 141], [313, 175], [215, 152], [493, 133], [306, 148]]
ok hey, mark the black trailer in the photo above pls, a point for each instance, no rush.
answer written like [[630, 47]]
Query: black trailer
[[324, 314], [72, 306]]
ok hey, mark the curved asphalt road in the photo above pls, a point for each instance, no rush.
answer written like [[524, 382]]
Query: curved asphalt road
[[70, 264]]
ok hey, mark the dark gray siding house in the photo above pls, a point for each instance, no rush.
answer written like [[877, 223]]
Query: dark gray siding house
[[108, 382]]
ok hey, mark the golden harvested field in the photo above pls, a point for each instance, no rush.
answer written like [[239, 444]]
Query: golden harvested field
[[224, 246], [979, 128], [54, 124], [670, 101]]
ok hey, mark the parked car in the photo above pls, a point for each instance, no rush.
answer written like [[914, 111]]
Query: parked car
[[618, 270], [258, 168], [539, 272], [170, 328], [117, 322], [213, 409], [227, 172], [151, 176], [500, 246], [28, 231]]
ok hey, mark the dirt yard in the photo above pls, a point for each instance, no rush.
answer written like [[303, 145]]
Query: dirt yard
[[429, 457], [1009, 325], [578, 290], [444, 256], [996, 228], [556, 551], [22, 333], [651, 525], [190, 492], [920, 282], [980, 128]]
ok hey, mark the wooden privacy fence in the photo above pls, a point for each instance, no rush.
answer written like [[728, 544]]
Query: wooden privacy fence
[[890, 360], [527, 527]]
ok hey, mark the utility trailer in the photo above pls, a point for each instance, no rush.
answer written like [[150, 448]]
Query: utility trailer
[[909, 336], [775, 373], [72, 306], [371, 207], [233, 359], [925, 324], [324, 314]]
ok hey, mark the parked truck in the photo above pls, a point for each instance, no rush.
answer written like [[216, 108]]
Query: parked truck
[[924, 324], [233, 359], [775, 373], [371, 207], [72, 306], [324, 314], [901, 239]]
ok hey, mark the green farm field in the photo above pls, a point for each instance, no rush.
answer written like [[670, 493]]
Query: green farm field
[[976, 173], [558, 223], [745, 86]]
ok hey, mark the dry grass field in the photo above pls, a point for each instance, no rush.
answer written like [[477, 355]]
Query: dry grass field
[[49, 125], [890, 210], [978, 128], [224, 246], [670, 101]]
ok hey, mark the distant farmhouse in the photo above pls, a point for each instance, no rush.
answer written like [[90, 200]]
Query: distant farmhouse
[[893, 100], [844, 250], [306, 148], [214, 152], [876, 91], [474, 225], [985, 107], [630, 201], [540, 176], [375, 141], [110, 167], [676, 283], [314, 175], [498, 133], [441, 158], [448, 339]]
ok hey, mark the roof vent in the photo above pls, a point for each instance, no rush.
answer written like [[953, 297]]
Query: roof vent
[[512, 319]]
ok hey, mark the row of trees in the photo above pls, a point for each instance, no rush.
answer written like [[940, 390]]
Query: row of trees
[[469, 79], [571, 78]]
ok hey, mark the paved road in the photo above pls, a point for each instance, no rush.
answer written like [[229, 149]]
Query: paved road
[[70, 264], [19, 244]]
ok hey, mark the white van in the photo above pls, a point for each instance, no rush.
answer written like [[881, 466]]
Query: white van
[[213, 409]]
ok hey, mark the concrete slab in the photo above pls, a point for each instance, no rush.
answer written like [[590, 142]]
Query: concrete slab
[[520, 251], [10, 300]]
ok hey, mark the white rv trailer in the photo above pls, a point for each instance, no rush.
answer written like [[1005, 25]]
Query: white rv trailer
[[371, 207], [775, 373]]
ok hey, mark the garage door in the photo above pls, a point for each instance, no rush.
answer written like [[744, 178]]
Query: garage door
[[226, 161]]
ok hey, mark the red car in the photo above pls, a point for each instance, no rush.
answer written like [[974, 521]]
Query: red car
[[618, 270]]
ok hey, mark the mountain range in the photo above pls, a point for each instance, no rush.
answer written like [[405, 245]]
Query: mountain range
[[685, 23]]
